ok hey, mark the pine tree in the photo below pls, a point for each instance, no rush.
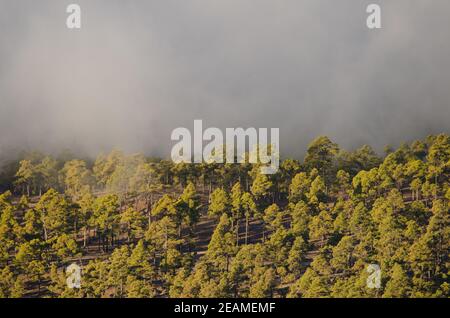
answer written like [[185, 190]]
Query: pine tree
[[106, 218], [10, 233], [299, 187], [136, 288], [429, 255], [189, 204], [321, 155], [33, 259], [86, 203], [11, 284], [134, 223], [300, 219], [177, 286], [343, 258], [273, 218], [399, 285], [95, 279], [140, 264], [310, 285], [321, 226], [76, 178], [317, 191], [47, 174], [264, 284], [222, 245], [261, 187], [65, 247], [118, 271], [32, 227], [297, 256], [54, 211], [220, 203], [26, 175]]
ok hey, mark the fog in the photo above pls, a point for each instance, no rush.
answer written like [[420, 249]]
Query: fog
[[138, 69]]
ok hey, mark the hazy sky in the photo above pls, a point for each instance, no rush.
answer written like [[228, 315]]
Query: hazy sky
[[140, 68]]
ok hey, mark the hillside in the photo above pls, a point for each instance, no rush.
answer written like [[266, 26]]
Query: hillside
[[141, 227]]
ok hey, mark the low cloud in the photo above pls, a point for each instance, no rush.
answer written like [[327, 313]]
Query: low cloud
[[138, 69]]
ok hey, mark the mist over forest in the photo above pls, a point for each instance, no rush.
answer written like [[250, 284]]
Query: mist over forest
[[138, 69]]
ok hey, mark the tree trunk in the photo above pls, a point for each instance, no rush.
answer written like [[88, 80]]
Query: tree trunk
[[45, 233], [246, 230], [237, 232], [84, 237], [149, 210], [210, 188]]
